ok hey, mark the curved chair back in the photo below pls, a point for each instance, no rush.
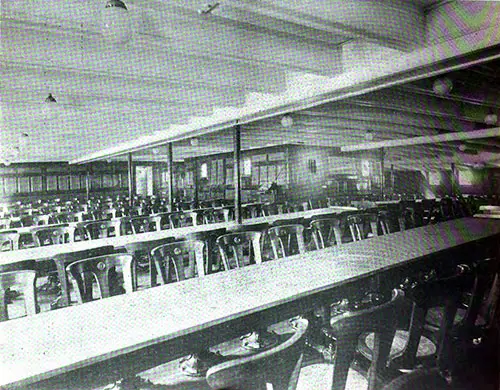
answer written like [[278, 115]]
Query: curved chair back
[[142, 251], [240, 249], [101, 229], [9, 241], [287, 240], [407, 219], [52, 235], [19, 280], [180, 219], [144, 224], [347, 327], [278, 366], [326, 232], [104, 271], [63, 259], [362, 226], [179, 260]]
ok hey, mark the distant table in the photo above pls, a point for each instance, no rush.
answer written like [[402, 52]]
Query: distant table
[[487, 215], [49, 251], [130, 333]]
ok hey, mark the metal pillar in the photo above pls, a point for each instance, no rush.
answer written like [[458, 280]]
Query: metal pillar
[[237, 173], [170, 166], [130, 171]]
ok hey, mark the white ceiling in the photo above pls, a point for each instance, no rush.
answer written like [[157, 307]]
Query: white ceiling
[[182, 67]]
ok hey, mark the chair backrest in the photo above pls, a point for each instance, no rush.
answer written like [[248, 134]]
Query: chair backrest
[[407, 219], [104, 271], [287, 240], [63, 259], [179, 260], [360, 224], [347, 327], [41, 219], [101, 229], [278, 366], [326, 232], [180, 219], [142, 251], [144, 224], [19, 280], [240, 249], [9, 241], [52, 235]]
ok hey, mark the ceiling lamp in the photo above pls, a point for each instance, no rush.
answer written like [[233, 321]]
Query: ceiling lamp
[[442, 86], [491, 118], [286, 121], [116, 24]]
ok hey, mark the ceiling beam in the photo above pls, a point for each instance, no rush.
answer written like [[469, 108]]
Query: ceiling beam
[[459, 136]]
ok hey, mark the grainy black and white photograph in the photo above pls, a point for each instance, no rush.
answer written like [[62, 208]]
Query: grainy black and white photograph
[[250, 195]]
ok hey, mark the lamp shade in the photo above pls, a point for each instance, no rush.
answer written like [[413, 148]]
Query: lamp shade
[[116, 24], [442, 86], [491, 119], [287, 121]]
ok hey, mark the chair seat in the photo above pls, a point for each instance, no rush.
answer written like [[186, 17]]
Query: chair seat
[[426, 347]]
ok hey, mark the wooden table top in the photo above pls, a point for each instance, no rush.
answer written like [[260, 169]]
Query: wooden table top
[[49, 251], [59, 341], [488, 215]]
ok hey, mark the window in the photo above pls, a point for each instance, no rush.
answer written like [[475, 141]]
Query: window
[[247, 167], [204, 171]]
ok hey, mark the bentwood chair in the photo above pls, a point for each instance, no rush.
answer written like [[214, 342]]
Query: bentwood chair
[[180, 219], [344, 331], [52, 235], [406, 219], [178, 261], [9, 241], [276, 368], [286, 240], [101, 229], [18, 281], [103, 272], [144, 224], [142, 254], [326, 232], [240, 249], [446, 291], [362, 226], [64, 259]]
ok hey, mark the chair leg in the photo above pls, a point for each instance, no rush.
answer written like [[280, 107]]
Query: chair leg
[[346, 350], [381, 351]]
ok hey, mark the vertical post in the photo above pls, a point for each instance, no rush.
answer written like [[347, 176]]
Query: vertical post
[[454, 180], [393, 180], [87, 184], [130, 171], [170, 166], [237, 173], [382, 172], [196, 179]]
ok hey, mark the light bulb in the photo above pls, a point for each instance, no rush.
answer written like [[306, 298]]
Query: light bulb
[[287, 121], [116, 24], [442, 86], [491, 119]]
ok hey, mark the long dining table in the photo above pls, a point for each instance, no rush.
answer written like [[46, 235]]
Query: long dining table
[[47, 252], [86, 345]]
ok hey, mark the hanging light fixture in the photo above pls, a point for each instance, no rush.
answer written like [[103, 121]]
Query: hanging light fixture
[[116, 24], [442, 86], [286, 121], [491, 118]]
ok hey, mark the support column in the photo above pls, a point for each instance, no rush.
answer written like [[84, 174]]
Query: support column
[[87, 184], [237, 173], [131, 181], [454, 180], [196, 179], [170, 167], [382, 173]]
